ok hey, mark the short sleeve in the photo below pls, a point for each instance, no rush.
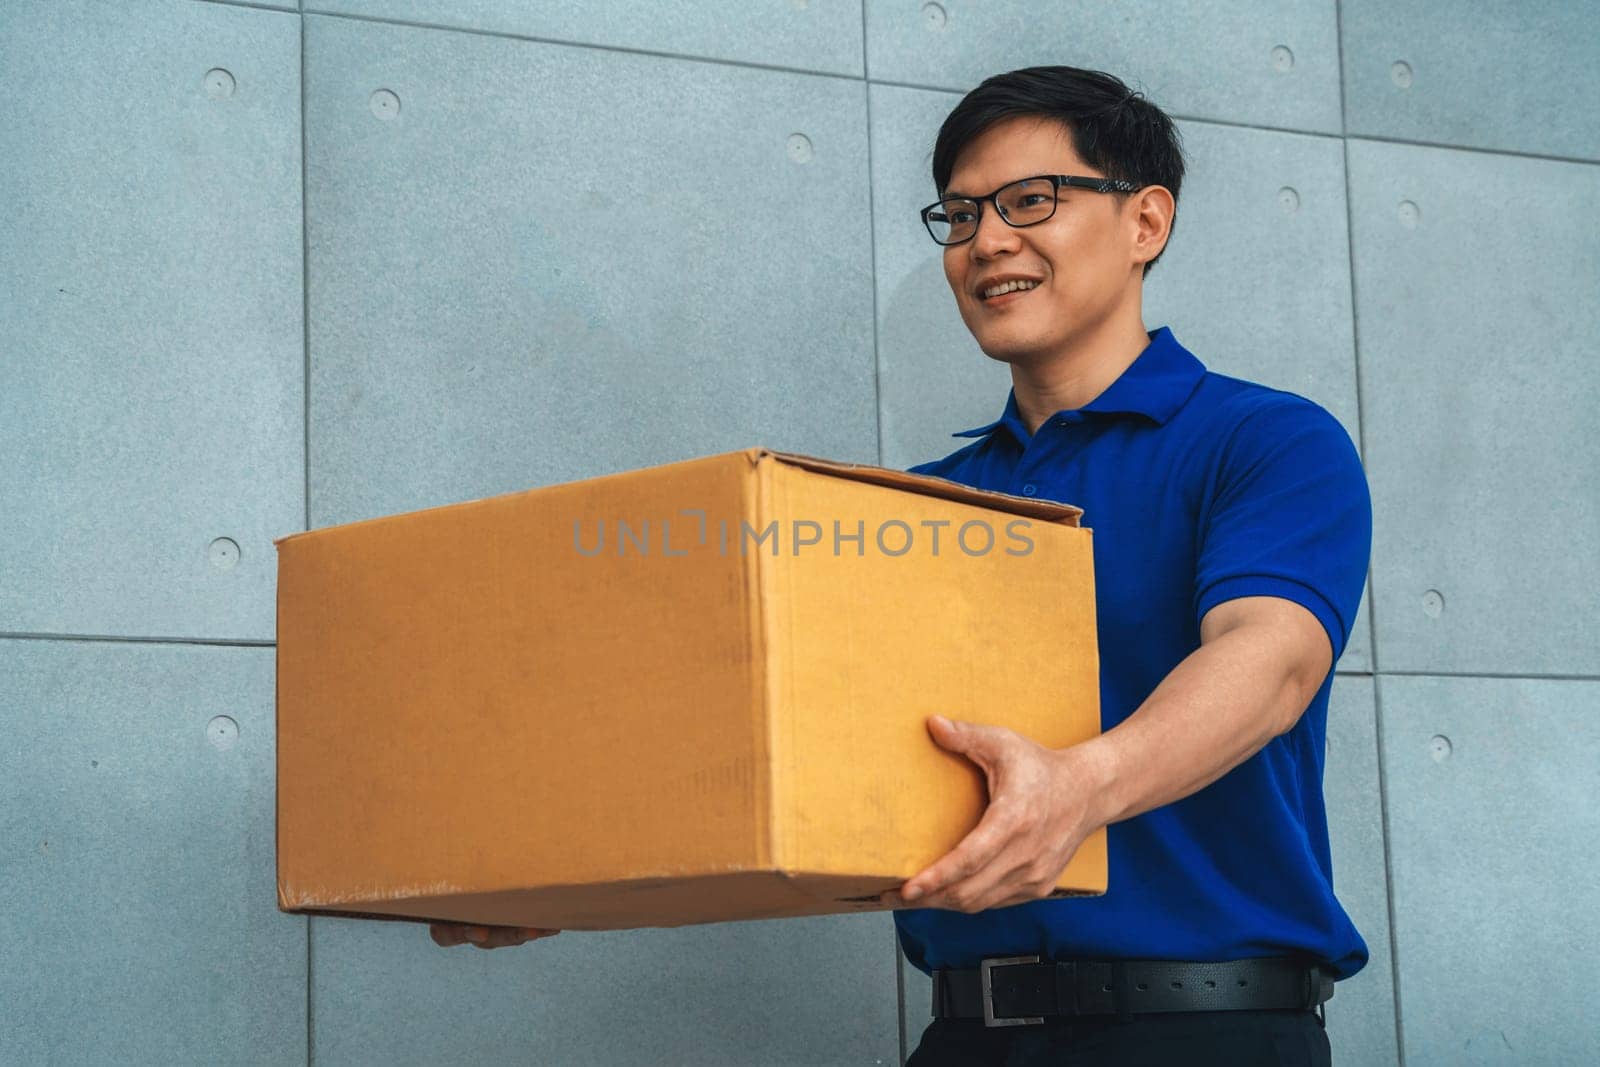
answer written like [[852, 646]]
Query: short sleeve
[[1289, 515]]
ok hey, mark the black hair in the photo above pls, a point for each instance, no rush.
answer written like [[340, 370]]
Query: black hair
[[1114, 129]]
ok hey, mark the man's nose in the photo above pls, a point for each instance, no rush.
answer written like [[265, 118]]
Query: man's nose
[[993, 231]]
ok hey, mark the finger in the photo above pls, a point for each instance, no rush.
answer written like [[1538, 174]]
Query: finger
[[450, 934], [499, 937], [988, 886], [965, 738], [503, 936], [976, 851], [521, 935], [1015, 888], [446, 935]]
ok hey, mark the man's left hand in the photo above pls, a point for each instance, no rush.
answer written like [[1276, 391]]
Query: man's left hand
[[1041, 807]]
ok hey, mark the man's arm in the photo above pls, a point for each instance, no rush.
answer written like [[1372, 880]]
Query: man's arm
[[1260, 662]]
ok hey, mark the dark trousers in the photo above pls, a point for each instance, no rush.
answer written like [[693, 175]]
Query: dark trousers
[[1235, 1038]]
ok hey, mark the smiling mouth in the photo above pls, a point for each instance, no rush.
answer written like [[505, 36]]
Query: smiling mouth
[[1006, 298]]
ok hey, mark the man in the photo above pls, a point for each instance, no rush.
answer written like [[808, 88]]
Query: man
[[1232, 530]]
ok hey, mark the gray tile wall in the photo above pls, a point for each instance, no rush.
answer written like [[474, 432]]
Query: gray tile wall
[[267, 269]]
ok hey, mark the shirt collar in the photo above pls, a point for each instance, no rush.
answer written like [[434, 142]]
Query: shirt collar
[[1155, 385]]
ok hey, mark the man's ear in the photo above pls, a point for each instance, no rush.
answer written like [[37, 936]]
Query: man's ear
[[1150, 213]]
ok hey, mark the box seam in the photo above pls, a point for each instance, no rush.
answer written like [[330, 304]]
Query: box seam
[[758, 607]]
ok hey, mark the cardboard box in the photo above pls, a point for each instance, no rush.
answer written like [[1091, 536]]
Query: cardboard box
[[667, 696]]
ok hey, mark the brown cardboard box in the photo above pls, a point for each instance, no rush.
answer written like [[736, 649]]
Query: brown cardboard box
[[661, 697]]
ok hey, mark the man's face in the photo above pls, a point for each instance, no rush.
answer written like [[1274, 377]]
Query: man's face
[[1081, 255]]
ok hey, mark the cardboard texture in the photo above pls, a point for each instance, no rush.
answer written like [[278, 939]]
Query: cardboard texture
[[635, 701]]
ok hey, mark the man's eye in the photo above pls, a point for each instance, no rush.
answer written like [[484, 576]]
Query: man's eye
[[959, 216]]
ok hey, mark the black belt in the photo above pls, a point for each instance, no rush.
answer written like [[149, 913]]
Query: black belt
[[1023, 989]]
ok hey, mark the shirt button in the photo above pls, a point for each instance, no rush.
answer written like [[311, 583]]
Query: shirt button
[[1029, 489]]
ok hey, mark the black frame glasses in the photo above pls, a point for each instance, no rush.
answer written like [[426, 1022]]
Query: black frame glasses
[[938, 210]]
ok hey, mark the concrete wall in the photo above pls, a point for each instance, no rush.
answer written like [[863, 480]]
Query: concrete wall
[[264, 270]]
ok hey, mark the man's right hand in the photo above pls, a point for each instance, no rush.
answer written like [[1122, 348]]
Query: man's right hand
[[447, 934]]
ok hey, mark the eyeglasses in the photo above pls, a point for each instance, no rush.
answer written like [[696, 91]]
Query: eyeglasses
[[1022, 203]]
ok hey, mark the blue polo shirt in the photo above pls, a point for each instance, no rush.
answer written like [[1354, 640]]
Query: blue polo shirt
[[1199, 488]]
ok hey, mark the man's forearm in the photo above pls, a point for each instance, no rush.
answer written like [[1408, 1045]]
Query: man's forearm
[[1217, 708]]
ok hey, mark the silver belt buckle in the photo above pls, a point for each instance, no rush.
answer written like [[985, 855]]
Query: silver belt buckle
[[984, 969]]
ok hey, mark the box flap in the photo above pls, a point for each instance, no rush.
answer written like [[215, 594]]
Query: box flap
[[928, 484]]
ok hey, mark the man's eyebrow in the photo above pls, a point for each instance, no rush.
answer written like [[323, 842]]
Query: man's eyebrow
[[951, 194]]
